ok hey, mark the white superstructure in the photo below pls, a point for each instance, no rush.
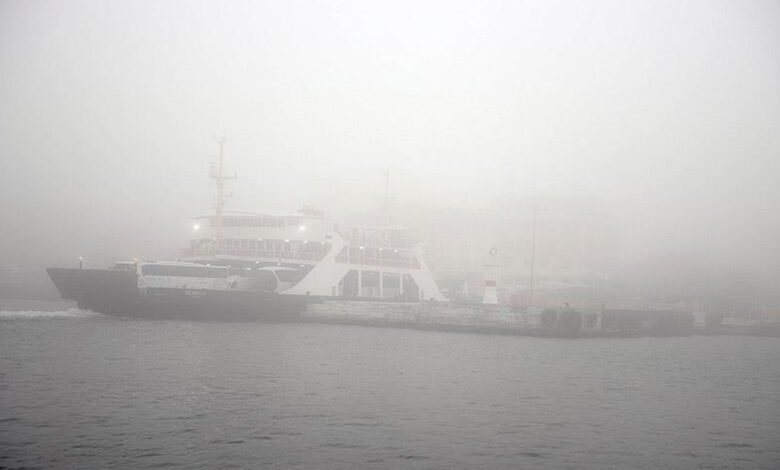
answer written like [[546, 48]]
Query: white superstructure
[[316, 256], [310, 254]]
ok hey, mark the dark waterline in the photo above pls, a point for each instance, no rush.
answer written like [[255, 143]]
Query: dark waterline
[[80, 390]]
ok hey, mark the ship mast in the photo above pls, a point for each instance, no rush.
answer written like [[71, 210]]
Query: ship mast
[[219, 178], [386, 205]]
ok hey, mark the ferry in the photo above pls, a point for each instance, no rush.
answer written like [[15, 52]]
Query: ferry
[[263, 266], [259, 266]]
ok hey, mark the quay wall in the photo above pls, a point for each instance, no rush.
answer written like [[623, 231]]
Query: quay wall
[[444, 316], [498, 319]]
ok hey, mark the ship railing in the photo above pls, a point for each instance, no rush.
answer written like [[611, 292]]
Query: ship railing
[[277, 255], [379, 242], [370, 261]]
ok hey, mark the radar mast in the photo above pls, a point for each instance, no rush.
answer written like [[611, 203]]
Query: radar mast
[[217, 173]]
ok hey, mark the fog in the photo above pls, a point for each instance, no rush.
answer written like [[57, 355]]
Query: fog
[[557, 234], [663, 114]]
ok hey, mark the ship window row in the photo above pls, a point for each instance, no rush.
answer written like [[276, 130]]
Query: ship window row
[[251, 244], [276, 249]]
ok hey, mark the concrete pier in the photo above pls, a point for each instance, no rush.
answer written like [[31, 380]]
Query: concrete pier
[[498, 319]]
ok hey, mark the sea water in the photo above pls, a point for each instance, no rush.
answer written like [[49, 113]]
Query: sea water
[[84, 390]]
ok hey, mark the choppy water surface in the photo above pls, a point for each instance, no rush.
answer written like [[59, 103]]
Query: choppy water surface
[[80, 390]]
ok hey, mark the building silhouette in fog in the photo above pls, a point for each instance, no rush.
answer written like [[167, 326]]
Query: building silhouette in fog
[[574, 253]]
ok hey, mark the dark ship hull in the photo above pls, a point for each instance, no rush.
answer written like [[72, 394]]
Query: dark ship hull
[[115, 292]]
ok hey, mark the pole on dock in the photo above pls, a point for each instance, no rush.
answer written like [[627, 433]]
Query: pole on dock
[[490, 296]]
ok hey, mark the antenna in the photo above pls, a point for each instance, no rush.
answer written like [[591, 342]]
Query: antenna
[[387, 203], [220, 179]]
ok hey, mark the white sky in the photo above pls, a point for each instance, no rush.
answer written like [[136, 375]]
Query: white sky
[[667, 110]]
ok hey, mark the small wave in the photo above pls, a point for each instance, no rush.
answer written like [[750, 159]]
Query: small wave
[[32, 314]]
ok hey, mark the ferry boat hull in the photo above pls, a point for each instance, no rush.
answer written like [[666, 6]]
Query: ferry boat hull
[[115, 292]]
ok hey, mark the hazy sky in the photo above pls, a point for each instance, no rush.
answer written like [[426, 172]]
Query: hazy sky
[[667, 110]]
